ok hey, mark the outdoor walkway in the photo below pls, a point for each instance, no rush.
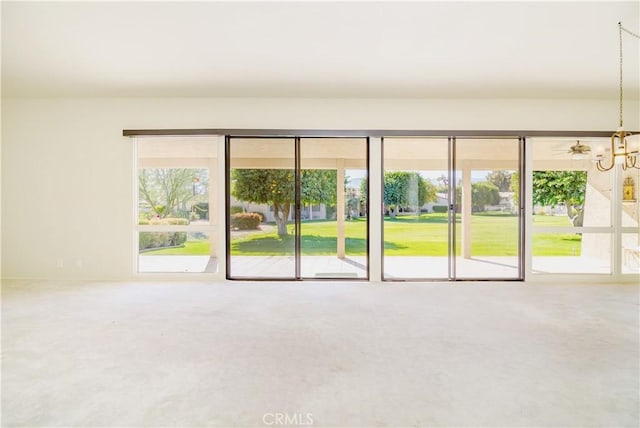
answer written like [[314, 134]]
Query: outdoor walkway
[[177, 264], [356, 266]]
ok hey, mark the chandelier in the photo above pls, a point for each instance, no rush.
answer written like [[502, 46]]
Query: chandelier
[[620, 152]]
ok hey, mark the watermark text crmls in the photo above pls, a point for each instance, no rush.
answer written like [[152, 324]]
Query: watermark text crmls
[[299, 419]]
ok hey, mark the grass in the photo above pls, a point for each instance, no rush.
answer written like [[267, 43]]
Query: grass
[[493, 234], [555, 244]]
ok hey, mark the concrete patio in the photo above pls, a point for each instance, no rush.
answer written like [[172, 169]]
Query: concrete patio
[[394, 267]]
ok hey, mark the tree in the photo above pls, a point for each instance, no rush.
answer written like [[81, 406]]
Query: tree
[[484, 193], [267, 186], [319, 186], [363, 191], [515, 187], [276, 187], [562, 187], [406, 189], [501, 179], [168, 190], [443, 184], [430, 191]]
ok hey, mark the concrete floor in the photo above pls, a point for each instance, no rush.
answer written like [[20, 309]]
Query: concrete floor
[[195, 354]]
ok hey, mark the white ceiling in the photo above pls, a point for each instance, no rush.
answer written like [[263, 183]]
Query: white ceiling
[[304, 49]]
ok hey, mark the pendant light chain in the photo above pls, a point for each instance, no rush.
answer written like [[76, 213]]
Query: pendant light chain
[[620, 153], [621, 29], [628, 31], [621, 97]]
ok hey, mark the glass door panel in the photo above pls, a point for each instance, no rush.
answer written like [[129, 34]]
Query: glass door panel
[[333, 208], [488, 215], [261, 214], [416, 203]]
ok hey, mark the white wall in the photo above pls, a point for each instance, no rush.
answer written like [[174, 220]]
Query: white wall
[[67, 171]]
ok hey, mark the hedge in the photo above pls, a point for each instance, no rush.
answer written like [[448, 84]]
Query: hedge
[[148, 240], [245, 221], [440, 208]]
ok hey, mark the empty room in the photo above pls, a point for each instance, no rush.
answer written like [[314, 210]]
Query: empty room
[[336, 214]]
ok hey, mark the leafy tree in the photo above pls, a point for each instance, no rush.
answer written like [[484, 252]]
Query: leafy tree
[[430, 191], [484, 193], [267, 186], [363, 191], [515, 187], [168, 190], [443, 184], [501, 179], [352, 203], [276, 187], [403, 189], [561, 187], [318, 186]]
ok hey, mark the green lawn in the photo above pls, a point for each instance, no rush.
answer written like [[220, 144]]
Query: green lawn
[[554, 244], [424, 235]]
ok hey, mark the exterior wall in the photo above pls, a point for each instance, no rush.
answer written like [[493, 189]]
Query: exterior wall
[[441, 199], [597, 212], [67, 172], [319, 211]]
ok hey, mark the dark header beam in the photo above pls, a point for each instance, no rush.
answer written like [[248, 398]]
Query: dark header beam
[[359, 133]]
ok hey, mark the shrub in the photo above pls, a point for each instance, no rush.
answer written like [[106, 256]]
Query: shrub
[[172, 221], [440, 208], [259, 214], [245, 221], [151, 240]]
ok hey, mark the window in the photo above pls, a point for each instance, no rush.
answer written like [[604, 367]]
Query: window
[[572, 209], [176, 208]]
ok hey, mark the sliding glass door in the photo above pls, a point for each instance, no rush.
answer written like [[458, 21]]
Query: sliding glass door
[[416, 208], [297, 208], [261, 232], [333, 208], [488, 216], [451, 208]]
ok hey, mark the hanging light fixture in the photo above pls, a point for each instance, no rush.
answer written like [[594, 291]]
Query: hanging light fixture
[[620, 152]]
